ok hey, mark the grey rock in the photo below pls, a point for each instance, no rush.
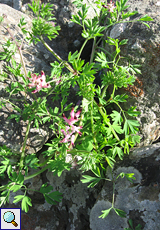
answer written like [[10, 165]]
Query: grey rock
[[117, 30], [17, 4], [113, 222]]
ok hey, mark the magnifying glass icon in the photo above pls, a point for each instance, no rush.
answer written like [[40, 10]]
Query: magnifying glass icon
[[9, 217]]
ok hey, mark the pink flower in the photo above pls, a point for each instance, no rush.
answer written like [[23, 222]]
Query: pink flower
[[110, 6], [38, 81], [70, 131], [74, 117]]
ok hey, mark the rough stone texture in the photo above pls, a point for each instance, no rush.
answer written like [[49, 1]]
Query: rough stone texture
[[140, 200], [143, 48]]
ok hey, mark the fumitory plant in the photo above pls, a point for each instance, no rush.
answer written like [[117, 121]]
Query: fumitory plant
[[93, 136]]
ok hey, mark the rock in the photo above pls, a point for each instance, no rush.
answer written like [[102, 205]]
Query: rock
[[17, 4], [140, 200], [8, 2], [143, 48]]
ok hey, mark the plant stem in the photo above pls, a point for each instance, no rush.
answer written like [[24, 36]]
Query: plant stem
[[19, 50], [92, 127], [93, 50], [24, 146], [113, 197], [37, 173], [104, 91], [82, 48], [56, 55], [45, 162]]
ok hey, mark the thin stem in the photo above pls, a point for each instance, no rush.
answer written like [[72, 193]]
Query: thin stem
[[37, 173], [12, 104], [82, 47], [113, 197], [24, 146], [56, 55], [104, 91], [19, 49], [93, 50], [120, 108], [114, 88], [45, 162]]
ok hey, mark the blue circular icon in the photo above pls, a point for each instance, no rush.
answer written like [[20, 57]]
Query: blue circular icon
[[8, 217]]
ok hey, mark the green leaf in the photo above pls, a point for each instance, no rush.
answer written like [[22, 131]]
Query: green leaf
[[105, 213], [117, 128], [3, 169], [131, 125], [78, 3], [52, 197], [87, 144], [45, 189], [92, 180], [31, 160], [26, 202], [146, 24], [58, 166], [123, 42], [130, 176], [110, 161], [9, 170], [128, 14], [146, 18], [131, 111], [85, 104], [116, 116], [120, 213], [138, 227], [130, 223], [15, 187], [76, 19], [98, 173], [72, 57], [4, 197], [18, 198], [20, 178], [118, 151]]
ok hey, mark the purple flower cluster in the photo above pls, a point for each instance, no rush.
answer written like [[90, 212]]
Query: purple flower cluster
[[70, 130], [38, 81]]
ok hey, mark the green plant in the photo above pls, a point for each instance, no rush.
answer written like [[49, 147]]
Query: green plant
[[138, 227], [98, 137]]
